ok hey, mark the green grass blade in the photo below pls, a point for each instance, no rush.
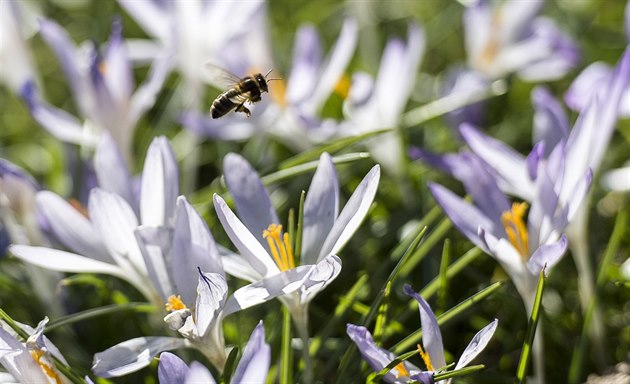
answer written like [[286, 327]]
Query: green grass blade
[[230, 366], [432, 239], [452, 271], [97, 312], [442, 277], [460, 372], [523, 364], [347, 358], [286, 353], [381, 317]]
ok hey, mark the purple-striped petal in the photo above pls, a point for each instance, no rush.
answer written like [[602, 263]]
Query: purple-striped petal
[[551, 124], [477, 344], [111, 171]]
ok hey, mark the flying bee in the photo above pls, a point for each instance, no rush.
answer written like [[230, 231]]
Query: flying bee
[[240, 90]]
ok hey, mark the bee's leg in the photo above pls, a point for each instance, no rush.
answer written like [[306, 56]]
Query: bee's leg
[[242, 108]]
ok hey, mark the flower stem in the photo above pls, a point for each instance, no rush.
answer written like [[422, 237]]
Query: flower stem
[[300, 316]]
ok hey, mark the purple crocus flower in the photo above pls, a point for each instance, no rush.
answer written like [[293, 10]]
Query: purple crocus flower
[[102, 87], [508, 37], [16, 61], [252, 368], [522, 244], [434, 359]]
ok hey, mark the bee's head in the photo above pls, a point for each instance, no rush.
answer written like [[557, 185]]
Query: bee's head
[[262, 82]]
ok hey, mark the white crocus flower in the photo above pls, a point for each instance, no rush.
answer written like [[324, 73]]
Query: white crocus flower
[[31, 361], [102, 240], [266, 251]]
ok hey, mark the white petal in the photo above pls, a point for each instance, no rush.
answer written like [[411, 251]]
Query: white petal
[[211, 295], [155, 245], [198, 374], [73, 229], [111, 170], [477, 344], [193, 247], [132, 355], [160, 184], [320, 209], [249, 247], [62, 261], [116, 222], [352, 214]]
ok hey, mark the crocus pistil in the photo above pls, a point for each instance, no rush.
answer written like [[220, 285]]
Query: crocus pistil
[[280, 246], [516, 229]]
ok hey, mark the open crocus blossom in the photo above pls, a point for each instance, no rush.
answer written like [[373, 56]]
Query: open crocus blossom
[[508, 37], [522, 244], [101, 239], [32, 361], [432, 354], [102, 87], [252, 368], [266, 250], [173, 254]]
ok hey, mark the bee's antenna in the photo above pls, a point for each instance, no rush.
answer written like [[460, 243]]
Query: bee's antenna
[[267, 74]]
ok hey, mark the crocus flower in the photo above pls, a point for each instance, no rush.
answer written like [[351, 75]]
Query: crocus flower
[[195, 31], [30, 362], [102, 87], [103, 241], [378, 358], [522, 244], [377, 104], [252, 368], [16, 61], [508, 37], [266, 251]]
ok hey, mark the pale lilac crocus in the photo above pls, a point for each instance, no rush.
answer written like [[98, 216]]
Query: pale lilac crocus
[[508, 37], [432, 355], [291, 111], [102, 87], [253, 366], [266, 251], [30, 361], [102, 240], [16, 59], [378, 103], [199, 327], [582, 151], [522, 244], [195, 31]]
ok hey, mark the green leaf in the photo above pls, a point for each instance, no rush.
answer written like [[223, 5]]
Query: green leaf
[[521, 371]]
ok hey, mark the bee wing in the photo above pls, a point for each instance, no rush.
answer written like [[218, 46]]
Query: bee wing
[[220, 77]]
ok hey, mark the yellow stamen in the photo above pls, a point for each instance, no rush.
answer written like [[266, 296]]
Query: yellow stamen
[[342, 88], [48, 370], [280, 247], [516, 229], [402, 371], [492, 46], [426, 358], [174, 303], [278, 92]]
